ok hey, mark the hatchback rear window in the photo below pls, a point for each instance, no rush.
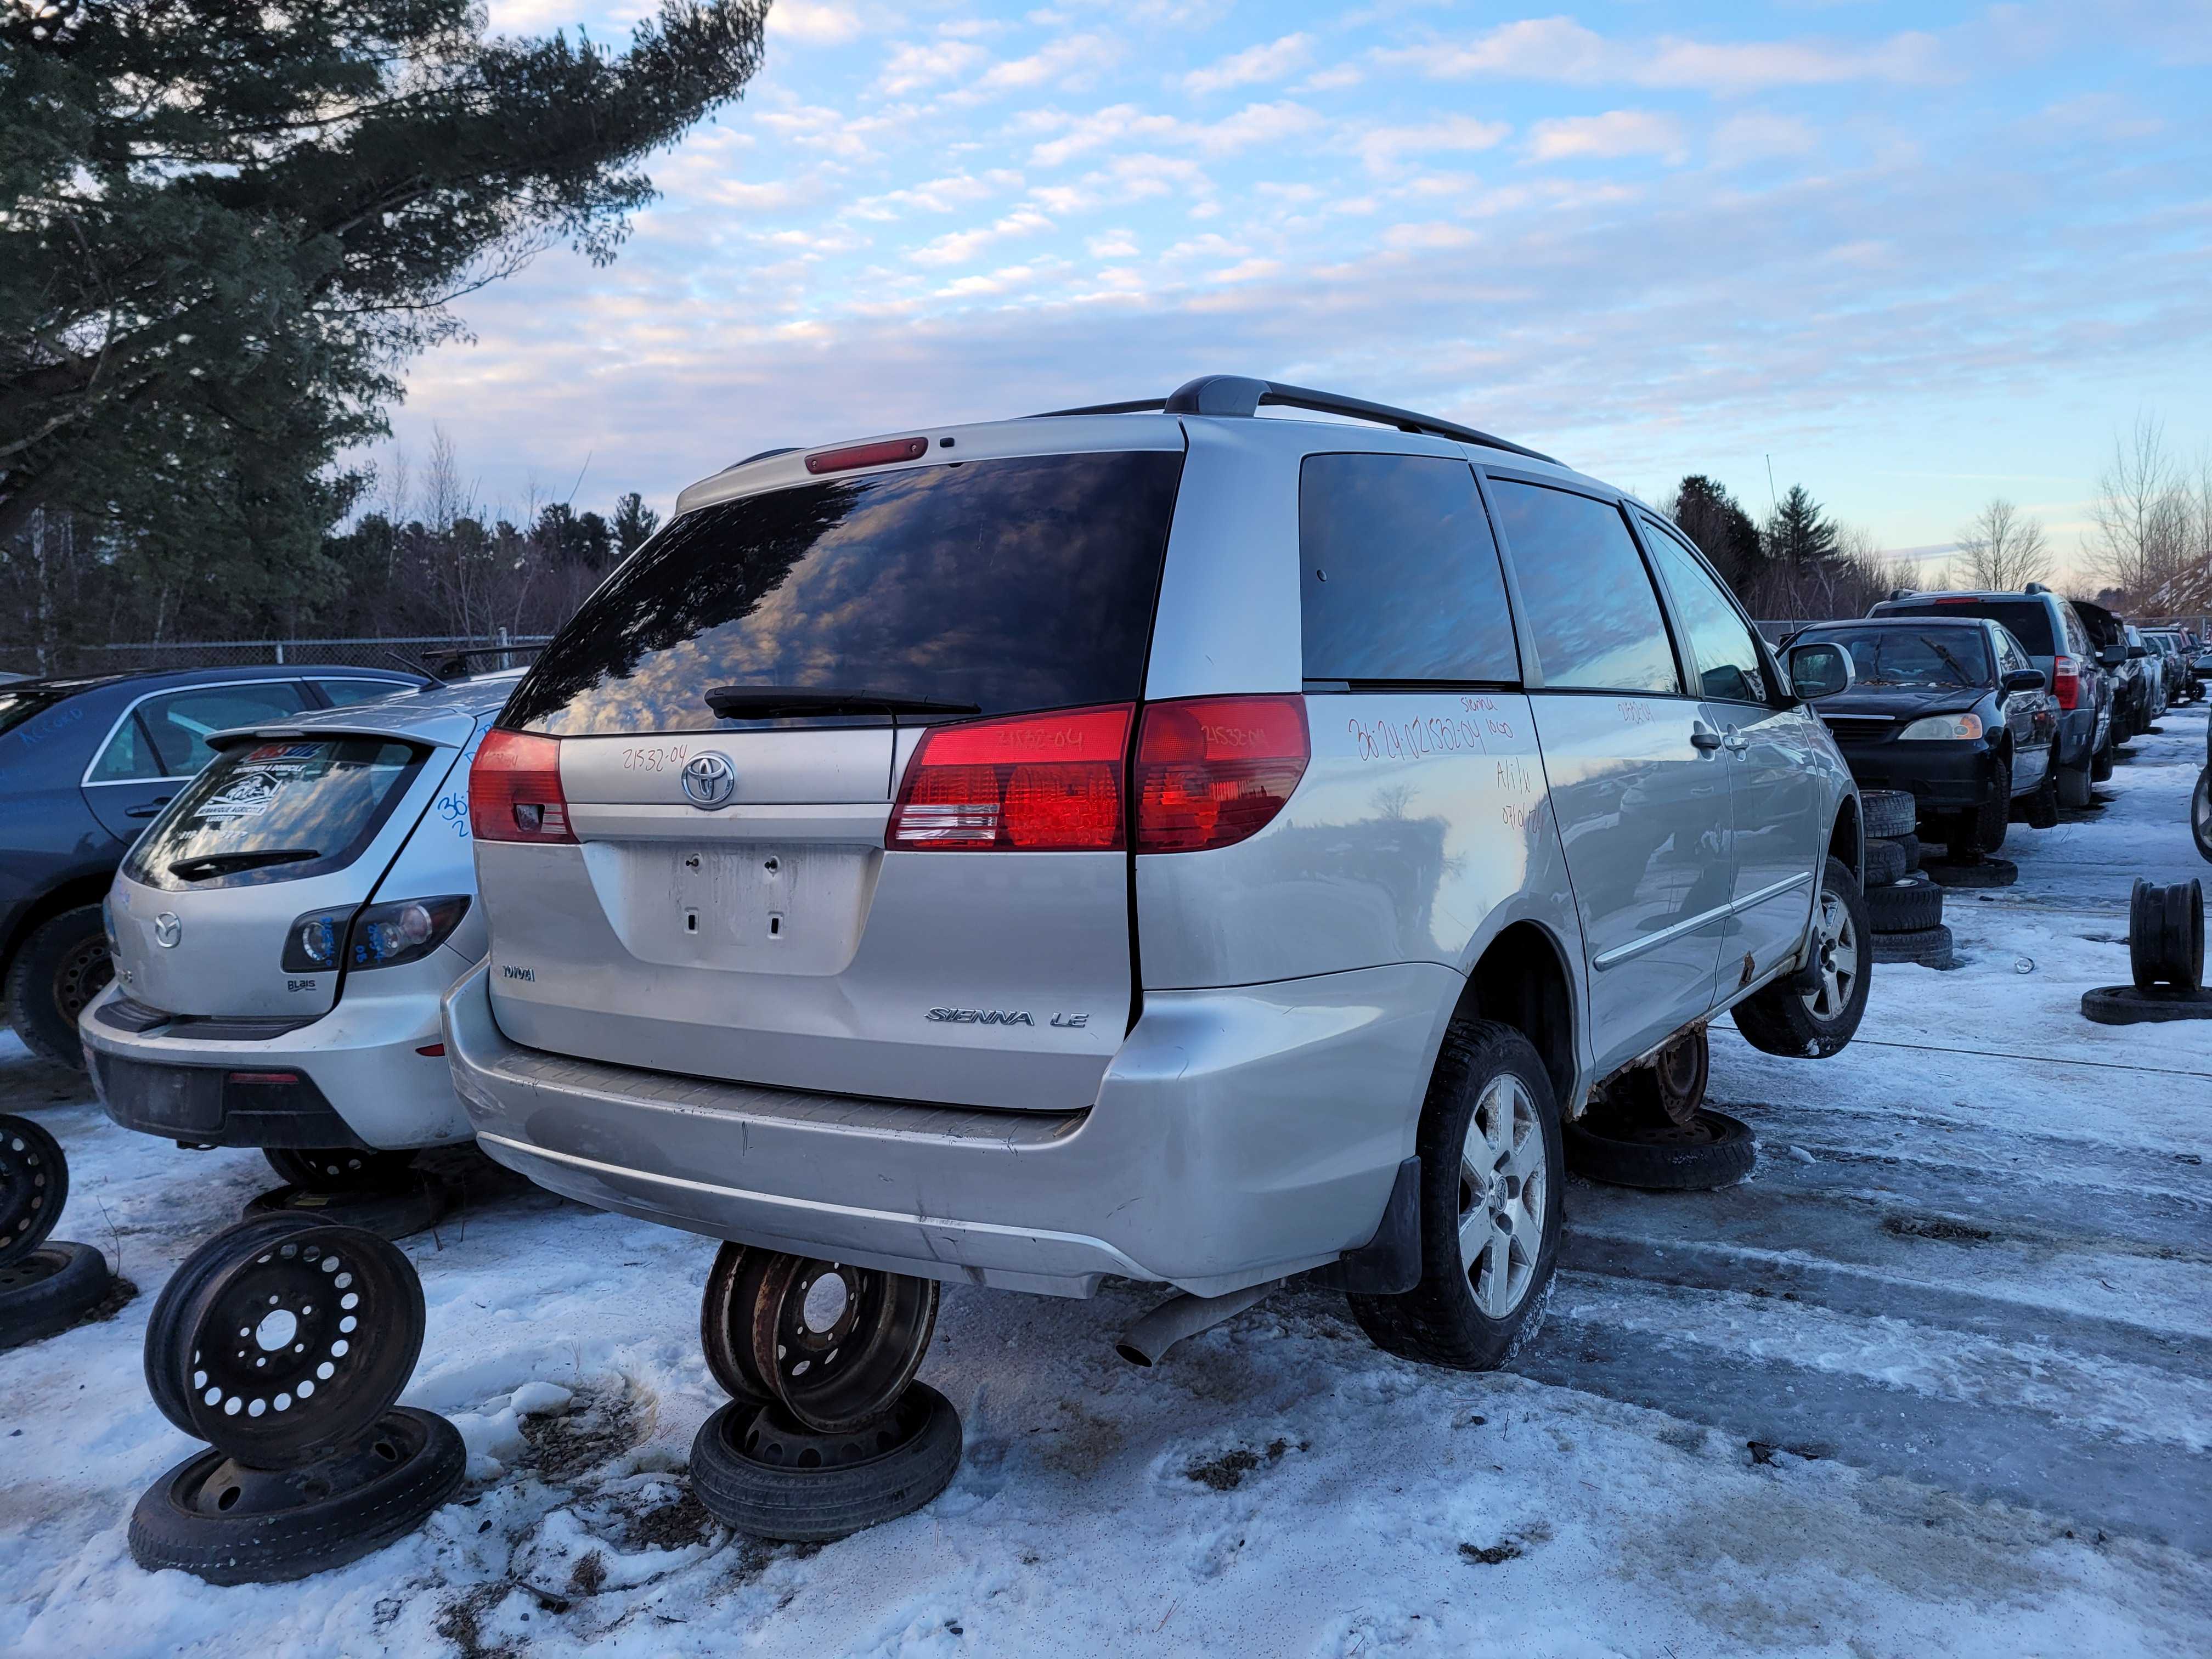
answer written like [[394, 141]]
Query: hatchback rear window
[[992, 586], [275, 811], [2029, 619]]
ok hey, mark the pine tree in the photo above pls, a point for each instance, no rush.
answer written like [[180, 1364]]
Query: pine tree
[[634, 521], [1799, 536], [1714, 520], [223, 230]]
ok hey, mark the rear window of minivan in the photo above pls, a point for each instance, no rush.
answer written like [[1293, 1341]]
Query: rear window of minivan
[[2029, 619], [998, 586], [265, 813]]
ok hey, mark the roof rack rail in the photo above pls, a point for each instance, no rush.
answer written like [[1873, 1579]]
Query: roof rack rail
[[1234, 394]]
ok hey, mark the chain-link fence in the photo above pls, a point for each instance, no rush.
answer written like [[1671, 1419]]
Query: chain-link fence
[[431, 653]]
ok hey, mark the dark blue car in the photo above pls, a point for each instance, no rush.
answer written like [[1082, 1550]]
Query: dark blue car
[[84, 766]]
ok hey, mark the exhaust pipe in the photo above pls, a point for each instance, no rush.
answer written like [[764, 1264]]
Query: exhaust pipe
[[1147, 1342]]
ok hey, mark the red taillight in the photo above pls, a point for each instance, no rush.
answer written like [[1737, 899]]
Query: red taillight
[[891, 449], [1038, 783], [2066, 681], [266, 1080], [515, 790], [1213, 771]]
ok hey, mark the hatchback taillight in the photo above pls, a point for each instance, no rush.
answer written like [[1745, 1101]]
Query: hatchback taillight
[[1214, 770], [515, 790], [2066, 681], [1037, 783]]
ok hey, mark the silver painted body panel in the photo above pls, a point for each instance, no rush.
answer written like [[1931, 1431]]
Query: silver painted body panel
[[362, 1051], [1293, 988]]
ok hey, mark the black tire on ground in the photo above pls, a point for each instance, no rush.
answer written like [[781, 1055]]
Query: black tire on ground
[[394, 1213], [339, 1169], [1928, 948], [229, 1525], [1912, 845], [1885, 863], [1983, 828], [1983, 873], [33, 1187], [754, 1471], [49, 1291], [1888, 812], [2073, 787], [2166, 935], [61, 966], [1489, 1092], [2200, 814], [2100, 764], [1904, 906], [2123, 1005], [1781, 1019], [1715, 1151]]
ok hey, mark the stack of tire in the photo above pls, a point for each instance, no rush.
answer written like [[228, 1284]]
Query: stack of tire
[[1903, 901]]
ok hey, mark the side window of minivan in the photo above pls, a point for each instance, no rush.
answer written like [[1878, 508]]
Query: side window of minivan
[[1721, 645], [1589, 599], [1398, 578]]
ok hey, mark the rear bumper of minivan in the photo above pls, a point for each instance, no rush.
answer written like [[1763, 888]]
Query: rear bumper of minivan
[[367, 1081], [1239, 1135]]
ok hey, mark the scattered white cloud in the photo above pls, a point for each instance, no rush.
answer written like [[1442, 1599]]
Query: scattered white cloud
[[1758, 136], [1559, 49], [916, 64], [1252, 66], [1114, 245], [813, 22], [957, 247], [1072, 62], [1383, 149], [1616, 133]]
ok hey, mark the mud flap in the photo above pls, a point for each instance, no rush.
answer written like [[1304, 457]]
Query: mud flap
[[1388, 1264]]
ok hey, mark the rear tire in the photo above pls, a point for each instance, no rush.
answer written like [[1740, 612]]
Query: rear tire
[[2100, 764], [2073, 787], [1493, 1164], [63, 965], [1983, 828], [1779, 1018]]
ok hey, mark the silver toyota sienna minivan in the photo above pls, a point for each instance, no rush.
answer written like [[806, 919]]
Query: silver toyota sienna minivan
[[1154, 840]]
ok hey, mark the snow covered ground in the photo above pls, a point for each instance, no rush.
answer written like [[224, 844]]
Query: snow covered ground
[[1934, 1381]]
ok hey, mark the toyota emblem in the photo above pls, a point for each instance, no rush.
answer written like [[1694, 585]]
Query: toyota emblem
[[168, 928], [709, 780]]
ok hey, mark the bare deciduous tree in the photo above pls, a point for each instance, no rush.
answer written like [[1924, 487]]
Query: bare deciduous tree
[[2004, 548]]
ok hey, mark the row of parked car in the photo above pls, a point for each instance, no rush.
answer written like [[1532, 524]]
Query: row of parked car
[[1149, 840], [1990, 707]]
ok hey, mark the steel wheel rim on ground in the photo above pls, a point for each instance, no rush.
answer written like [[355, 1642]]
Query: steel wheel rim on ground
[[33, 1187], [1838, 942], [834, 1368], [1502, 1195], [297, 1341]]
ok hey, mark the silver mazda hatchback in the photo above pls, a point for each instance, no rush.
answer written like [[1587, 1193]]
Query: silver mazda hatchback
[[1152, 841]]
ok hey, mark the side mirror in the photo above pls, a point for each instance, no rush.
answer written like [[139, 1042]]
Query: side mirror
[[1820, 669], [2138, 650], [2024, 679], [2111, 656]]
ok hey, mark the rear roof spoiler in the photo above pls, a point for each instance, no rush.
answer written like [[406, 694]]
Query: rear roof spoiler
[[1235, 395]]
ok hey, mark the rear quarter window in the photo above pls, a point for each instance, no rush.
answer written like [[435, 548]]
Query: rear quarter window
[[265, 813], [1399, 576], [2029, 619], [1003, 585]]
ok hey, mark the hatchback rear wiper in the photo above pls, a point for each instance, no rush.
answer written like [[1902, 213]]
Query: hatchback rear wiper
[[226, 864], [766, 701]]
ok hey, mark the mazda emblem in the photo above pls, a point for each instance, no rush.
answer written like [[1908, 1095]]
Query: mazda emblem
[[168, 928], [709, 780]]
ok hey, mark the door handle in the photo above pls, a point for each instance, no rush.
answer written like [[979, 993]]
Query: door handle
[[150, 808], [1703, 736], [1735, 743]]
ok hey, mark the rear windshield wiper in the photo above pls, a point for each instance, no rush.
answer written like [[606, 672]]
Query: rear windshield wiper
[[226, 864], [766, 701]]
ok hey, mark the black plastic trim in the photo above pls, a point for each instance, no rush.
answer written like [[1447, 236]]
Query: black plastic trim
[[1388, 1264]]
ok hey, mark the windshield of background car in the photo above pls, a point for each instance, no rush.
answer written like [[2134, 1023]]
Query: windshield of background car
[[1910, 659], [275, 811], [1005, 585], [2029, 619], [20, 702]]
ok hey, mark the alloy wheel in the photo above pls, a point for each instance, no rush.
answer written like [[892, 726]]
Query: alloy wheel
[[1503, 1192], [1838, 942]]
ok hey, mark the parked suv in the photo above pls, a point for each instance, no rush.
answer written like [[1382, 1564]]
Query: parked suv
[[1169, 844], [282, 933], [84, 766], [2058, 642], [1950, 710], [2173, 658]]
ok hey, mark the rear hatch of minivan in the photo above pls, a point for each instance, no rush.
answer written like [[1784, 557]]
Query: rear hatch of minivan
[[681, 823], [237, 900]]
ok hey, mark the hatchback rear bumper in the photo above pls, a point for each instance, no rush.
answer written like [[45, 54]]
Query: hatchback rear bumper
[[1239, 1135]]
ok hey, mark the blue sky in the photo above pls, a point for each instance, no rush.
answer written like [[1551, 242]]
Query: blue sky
[[1919, 254]]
